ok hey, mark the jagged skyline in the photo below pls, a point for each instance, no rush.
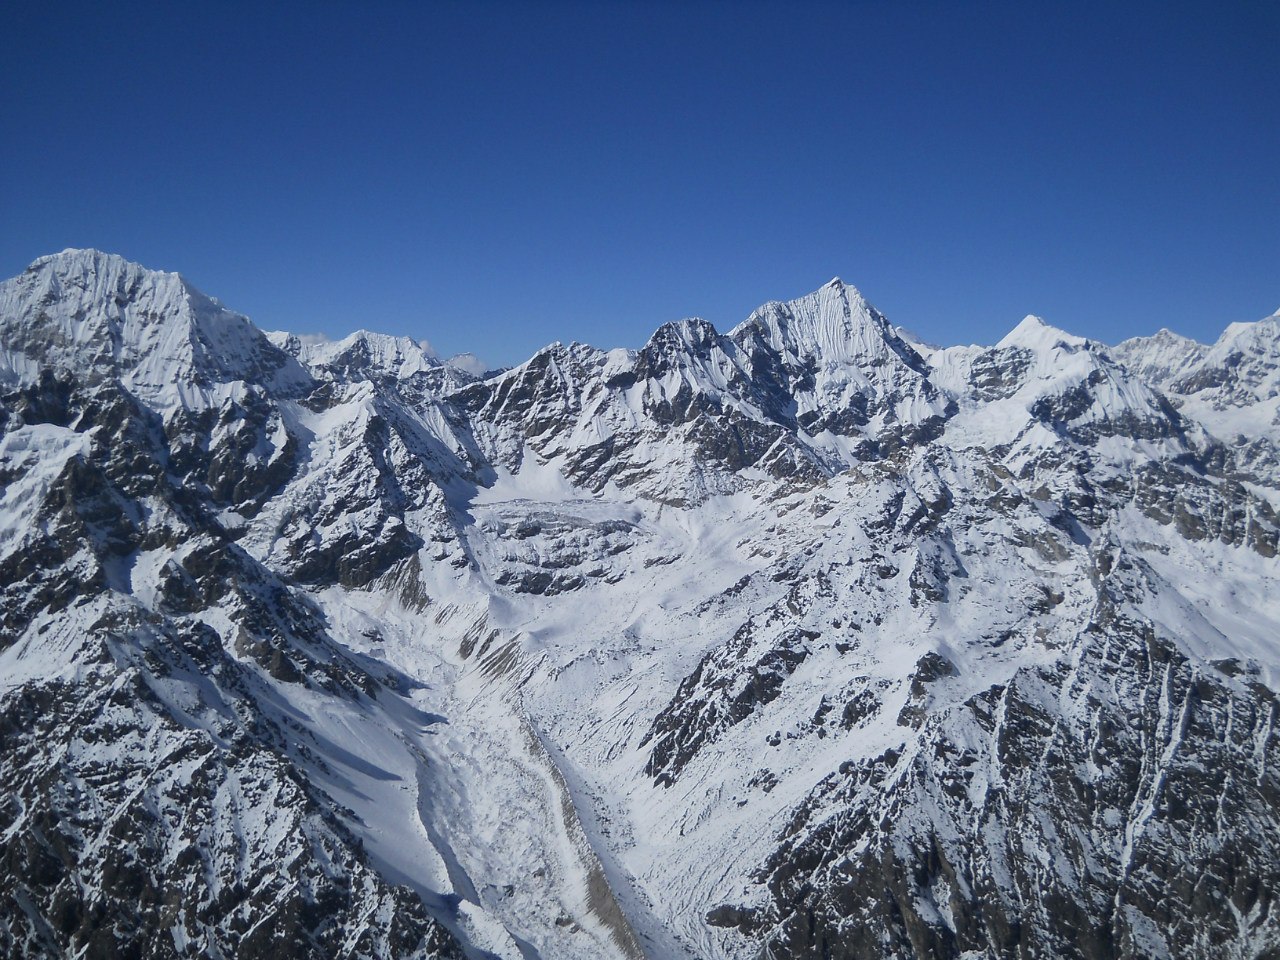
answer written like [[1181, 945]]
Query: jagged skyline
[[491, 177]]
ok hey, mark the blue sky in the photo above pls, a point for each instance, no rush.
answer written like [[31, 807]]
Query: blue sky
[[496, 176]]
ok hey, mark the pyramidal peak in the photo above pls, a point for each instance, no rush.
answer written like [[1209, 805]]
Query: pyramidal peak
[[834, 322], [1034, 333], [1165, 335]]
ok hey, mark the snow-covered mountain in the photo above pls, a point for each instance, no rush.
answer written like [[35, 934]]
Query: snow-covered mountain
[[806, 640]]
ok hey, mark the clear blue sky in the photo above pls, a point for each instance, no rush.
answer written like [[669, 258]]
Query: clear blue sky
[[496, 176]]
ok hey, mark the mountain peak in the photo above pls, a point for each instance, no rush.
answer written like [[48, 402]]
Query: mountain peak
[[1165, 335], [96, 271], [92, 278], [689, 333], [73, 257], [98, 313], [1035, 334], [834, 322], [364, 354]]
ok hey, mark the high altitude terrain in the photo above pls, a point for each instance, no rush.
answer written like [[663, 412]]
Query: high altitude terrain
[[807, 640]]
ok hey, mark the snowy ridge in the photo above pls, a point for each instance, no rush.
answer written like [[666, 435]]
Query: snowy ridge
[[1162, 357], [805, 640], [1231, 386], [364, 354]]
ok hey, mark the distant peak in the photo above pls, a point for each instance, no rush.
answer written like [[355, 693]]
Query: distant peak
[[468, 363], [385, 340], [1164, 338], [1034, 333], [834, 324], [689, 332], [365, 353], [834, 300]]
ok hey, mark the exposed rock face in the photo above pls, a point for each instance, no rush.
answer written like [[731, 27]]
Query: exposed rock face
[[1014, 827], [140, 826], [801, 641]]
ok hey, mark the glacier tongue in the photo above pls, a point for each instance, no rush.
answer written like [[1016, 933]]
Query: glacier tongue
[[799, 641]]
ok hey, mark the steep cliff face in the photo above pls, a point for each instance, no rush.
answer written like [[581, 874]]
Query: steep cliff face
[[799, 641]]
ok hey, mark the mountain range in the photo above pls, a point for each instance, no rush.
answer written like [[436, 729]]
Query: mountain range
[[804, 640]]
